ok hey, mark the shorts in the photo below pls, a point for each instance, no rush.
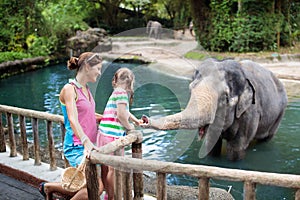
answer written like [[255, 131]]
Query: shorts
[[105, 139], [74, 154]]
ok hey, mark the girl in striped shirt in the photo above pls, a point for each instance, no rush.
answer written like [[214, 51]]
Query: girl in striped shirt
[[115, 121]]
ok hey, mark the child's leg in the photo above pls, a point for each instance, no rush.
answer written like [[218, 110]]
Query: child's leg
[[110, 181], [104, 172]]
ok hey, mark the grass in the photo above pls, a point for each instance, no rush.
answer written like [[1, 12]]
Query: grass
[[201, 55]]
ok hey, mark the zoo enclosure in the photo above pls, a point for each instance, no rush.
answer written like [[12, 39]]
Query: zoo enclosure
[[130, 170]]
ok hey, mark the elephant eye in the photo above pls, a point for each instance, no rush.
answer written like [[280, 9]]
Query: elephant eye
[[197, 75], [227, 98]]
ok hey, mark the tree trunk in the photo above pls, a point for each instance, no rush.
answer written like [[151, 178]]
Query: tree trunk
[[200, 12]]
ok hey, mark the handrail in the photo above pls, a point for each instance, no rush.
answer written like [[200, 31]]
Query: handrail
[[124, 165], [32, 113], [35, 117], [264, 178]]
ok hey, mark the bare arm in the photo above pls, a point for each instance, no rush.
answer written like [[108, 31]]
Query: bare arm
[[98, 117], [136, 121], [123, 116]]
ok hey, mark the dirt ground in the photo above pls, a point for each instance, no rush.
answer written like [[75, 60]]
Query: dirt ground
[[167, 56]]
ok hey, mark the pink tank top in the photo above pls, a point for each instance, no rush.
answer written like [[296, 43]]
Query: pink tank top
[[86, 113]]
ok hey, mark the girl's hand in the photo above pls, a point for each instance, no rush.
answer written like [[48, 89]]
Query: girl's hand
[[138, 122]]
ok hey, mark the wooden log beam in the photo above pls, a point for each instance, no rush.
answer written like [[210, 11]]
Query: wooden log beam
[[2, 136], [138, 182], [11, 135], [118, 144], [203, 188], [24, 137], [264, 178], [92, 181], [32, 113], [51, 146], [249, 190], [118, 179], [297, 195], [161, 186], [36, 141], [127, 183]]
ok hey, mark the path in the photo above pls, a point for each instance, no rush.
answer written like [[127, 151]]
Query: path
[[167, 56], [12, 189]]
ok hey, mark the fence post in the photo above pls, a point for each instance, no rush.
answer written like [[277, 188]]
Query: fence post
[[37, 158], [203, 188], [12, 141], [161, 186], [138, 182], [24, 137], [249, 190], [63, 132], [92, 181], [297, 194], [127, 183], [51, 146], [118, 180], [2, 136]]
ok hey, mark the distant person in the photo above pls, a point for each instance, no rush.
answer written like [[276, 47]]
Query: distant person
[[191, 28], [115, 121], [80, 119]]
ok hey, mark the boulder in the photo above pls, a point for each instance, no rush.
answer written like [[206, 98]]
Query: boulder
[[93, 39]]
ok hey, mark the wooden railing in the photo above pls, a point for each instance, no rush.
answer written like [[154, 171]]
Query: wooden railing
[[35, 116], [131, 169]]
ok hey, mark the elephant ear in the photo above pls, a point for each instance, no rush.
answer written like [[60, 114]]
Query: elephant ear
[[246, 99]]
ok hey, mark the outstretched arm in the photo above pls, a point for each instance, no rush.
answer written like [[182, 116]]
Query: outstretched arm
[[136, 121], [123, 116]]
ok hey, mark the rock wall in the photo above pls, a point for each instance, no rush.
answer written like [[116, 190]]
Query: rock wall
[[93, 39]]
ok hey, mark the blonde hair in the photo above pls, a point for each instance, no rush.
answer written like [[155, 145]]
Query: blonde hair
[[89, 58], [124, 76]]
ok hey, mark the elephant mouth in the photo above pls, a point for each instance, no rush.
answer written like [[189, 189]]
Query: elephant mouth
[[202, 131]]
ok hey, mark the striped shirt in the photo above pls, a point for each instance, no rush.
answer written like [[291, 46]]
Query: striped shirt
[[110, 125]]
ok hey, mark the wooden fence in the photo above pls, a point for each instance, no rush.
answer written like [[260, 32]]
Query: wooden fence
[[131, 169]]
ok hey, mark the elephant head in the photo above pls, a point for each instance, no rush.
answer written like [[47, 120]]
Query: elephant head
[[235, 101], [220, 94], [215, 86]]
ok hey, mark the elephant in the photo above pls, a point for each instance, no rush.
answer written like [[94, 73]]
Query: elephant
[[154, 27], [236, 101]]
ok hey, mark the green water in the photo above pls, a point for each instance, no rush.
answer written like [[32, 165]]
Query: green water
[[157, 95]]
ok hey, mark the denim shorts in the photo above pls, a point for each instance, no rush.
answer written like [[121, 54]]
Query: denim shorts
[[74, 154]]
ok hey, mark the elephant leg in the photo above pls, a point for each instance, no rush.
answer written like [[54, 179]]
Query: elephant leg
[[236, 147], [235, 151], [273, 129]]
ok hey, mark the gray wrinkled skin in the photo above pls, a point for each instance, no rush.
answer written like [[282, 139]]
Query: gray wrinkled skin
[[236, 101]]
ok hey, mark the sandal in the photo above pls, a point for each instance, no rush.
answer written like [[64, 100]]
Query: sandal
[[42, 189]]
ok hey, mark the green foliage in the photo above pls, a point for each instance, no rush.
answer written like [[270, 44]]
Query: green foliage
[[63, 19], [10, 56], [221, 34], [254, 33], [253, 29]]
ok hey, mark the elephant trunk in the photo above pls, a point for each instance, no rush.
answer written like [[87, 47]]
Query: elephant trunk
[[199, 112]]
